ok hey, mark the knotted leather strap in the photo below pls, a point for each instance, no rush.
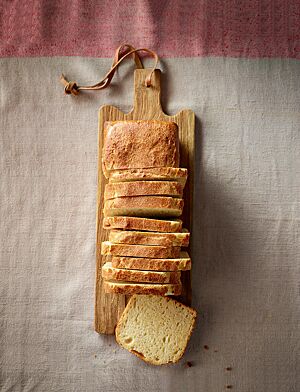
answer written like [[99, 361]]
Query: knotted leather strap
[[74, 89]]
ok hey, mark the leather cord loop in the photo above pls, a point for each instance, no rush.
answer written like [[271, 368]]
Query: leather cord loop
[[122, 52]]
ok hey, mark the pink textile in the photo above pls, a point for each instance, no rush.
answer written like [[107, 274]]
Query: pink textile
[[251, 28]]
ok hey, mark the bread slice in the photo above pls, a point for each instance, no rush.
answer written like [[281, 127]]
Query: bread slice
[[158, 252], [156, 329], [142, 224], [149, 174], [143, 188], [182, 263], [128, 275], [140, 144], [149, 238], [130, 288], [152, 206]]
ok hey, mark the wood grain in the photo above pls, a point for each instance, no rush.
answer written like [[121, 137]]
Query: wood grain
[[147, 106]]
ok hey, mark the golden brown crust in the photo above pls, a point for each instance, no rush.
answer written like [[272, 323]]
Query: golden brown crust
[[145, 238], [142, 288], [145, 202], [127, 275], [143, 188], [140, 144], [157, 252], [146, 224], [151, 264], [156, 173]]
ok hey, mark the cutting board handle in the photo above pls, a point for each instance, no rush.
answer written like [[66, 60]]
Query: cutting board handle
[[146, 104]]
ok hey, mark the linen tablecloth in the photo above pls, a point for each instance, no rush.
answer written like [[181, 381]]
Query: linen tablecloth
[[236, 64]]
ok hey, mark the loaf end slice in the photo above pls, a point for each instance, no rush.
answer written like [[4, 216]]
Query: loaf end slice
[[140, 144], [155, 328]]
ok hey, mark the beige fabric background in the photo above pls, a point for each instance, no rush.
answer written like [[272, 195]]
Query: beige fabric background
[[246, 227]]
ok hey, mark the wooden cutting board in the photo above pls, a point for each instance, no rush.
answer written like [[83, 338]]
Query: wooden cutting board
[[147, 106]]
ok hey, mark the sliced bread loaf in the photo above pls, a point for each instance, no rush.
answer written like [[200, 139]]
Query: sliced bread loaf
[[119, 274], [130, 288], [143, 188], [158, 252], [140, 144], [153, 206], [145, 224], [149, 238], [155, 328], [182, 263], [149, 174]]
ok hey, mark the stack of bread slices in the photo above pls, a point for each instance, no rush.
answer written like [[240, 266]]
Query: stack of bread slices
[[143, 203]]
